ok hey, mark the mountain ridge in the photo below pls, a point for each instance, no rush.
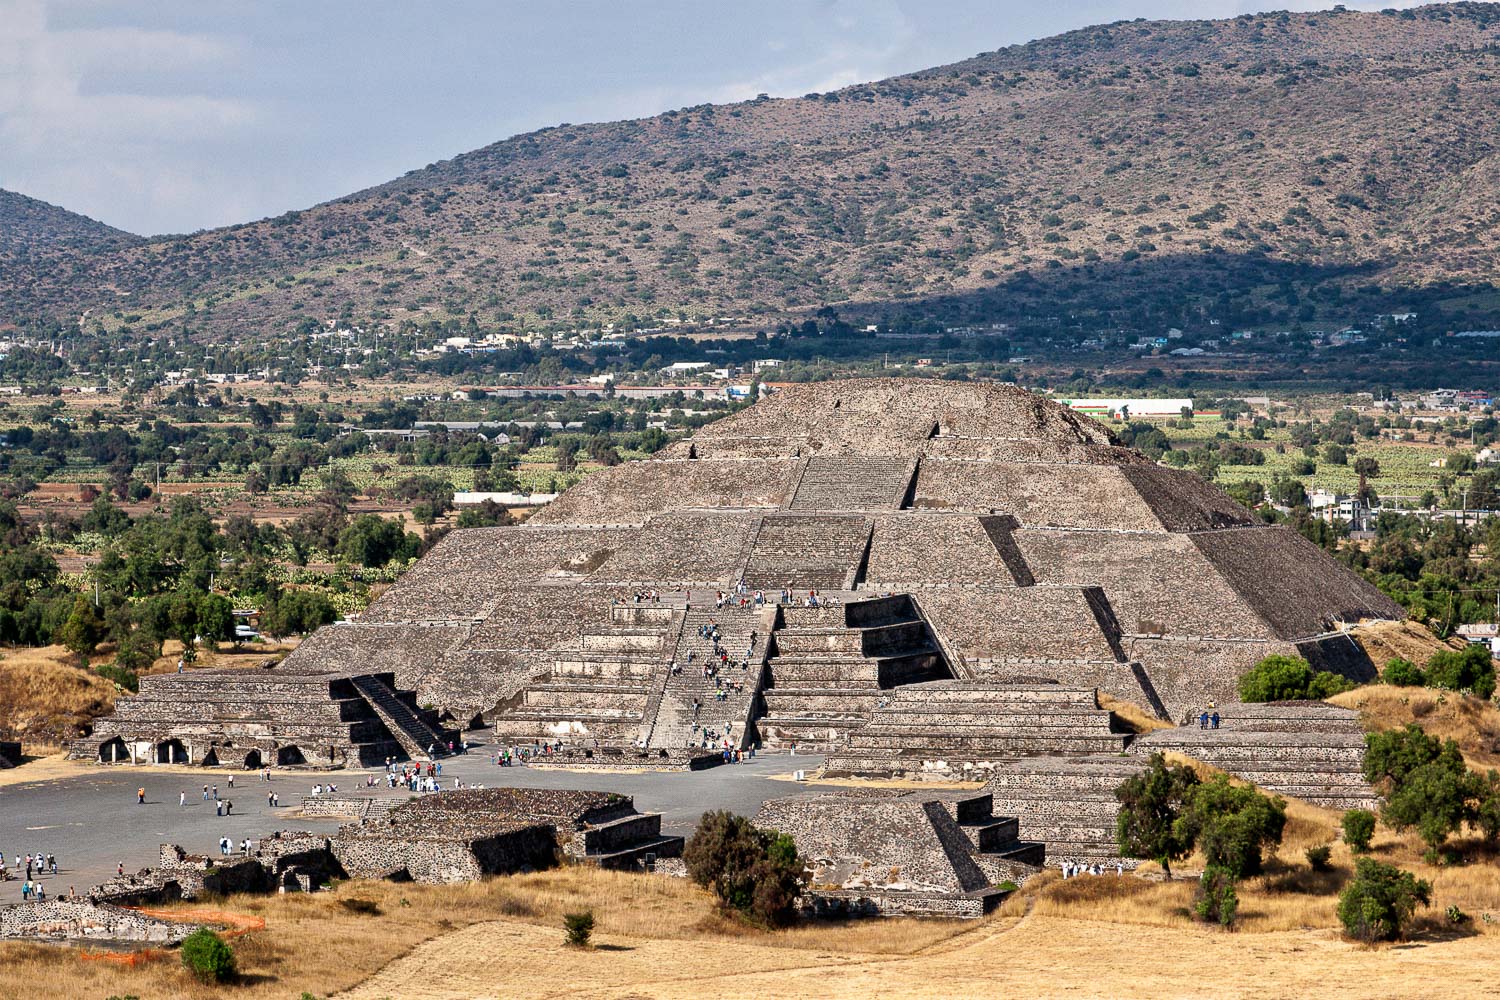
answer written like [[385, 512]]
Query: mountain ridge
[[1317, 153]]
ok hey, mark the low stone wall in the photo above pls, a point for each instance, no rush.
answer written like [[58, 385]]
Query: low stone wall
[[391, 852], [83, 919], [663, 759], [335, 806]]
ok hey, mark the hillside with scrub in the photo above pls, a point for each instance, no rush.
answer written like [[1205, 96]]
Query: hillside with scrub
[[1281, 165]]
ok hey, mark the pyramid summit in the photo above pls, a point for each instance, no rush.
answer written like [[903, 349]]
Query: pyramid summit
[[957, 536]]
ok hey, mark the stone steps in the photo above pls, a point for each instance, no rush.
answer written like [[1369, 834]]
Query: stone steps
[[1066, 802], [807, 551], [415, 734], [839, 482]]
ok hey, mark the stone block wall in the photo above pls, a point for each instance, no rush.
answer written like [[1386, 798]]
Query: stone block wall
[[84, 920]]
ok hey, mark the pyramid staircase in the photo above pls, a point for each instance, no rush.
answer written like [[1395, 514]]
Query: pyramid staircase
[[807, 552], [600, 689], [416, 730], [830, 667], [962, 728], [744, 633]]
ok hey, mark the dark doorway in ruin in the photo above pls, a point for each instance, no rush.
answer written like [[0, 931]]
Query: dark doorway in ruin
[[113, 750], [211, 759], [171, 752], [289, 756], [253, 761]]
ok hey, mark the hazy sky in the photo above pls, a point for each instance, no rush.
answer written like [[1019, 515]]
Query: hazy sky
[[175, 115]]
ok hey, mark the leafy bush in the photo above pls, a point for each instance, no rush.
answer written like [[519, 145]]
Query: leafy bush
[[1319, 857], [1380, 899], [1151, 805], [127, 679], [1403, 673], [1469, 669], [1359, 827], [1217, 900], [1231, 824], [1287, 678], [579, 928], [206, 956], [754, 871]]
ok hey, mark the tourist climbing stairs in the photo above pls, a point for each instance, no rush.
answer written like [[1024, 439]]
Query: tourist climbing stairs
[[413, 729], [675, 724]]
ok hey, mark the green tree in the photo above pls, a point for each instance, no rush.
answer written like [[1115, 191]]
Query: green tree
[[1380, 900], [82, 629], [1151, 803], [1232, 825], [1468, 669], [1279, 677], [1403, 673], [371, 540], [1429, 787], [754, 871], [215, 619]]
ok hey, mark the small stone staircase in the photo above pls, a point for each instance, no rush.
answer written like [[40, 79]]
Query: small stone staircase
[[414, 729], [625, 843], [1067, 803], [602, 689], [852, 482]]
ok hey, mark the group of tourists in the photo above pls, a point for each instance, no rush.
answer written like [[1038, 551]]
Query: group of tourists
[[222, 807], [228, 847], [1209, 717], [514, 756], [413, 777], [32, 867], [1072, 869]]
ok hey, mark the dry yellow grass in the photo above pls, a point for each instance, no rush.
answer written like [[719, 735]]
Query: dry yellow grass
[[1135, 718], [1473, 722], [45, 696], [660, 937], [1384, 641]]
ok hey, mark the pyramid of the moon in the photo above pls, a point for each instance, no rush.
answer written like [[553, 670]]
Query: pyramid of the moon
[[1018, 539], [983, 560]]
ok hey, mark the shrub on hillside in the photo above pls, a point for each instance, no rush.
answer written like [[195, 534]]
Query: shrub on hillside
[[206, 956], [579, 928], [127, 679], [1403, 673], [1319, 857], [1359, 827], [1233, 824], [1288, 678], [1469, 669], [1217, 902], [1430, 787], [1380, 900], [754, 871]]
